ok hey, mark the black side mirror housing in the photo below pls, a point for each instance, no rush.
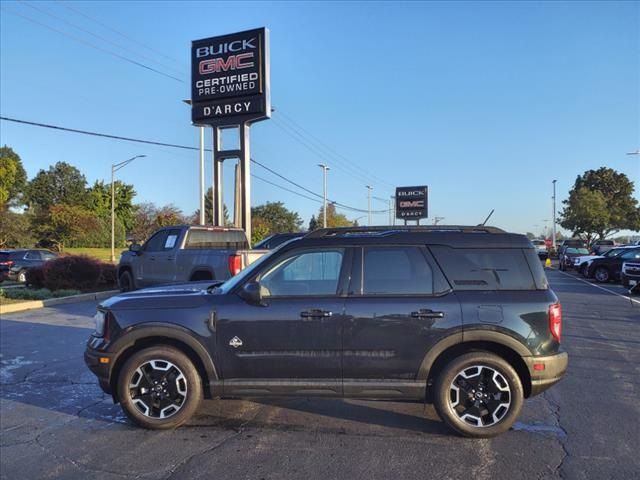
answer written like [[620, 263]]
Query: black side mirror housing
[[250, 293], [135, 248]]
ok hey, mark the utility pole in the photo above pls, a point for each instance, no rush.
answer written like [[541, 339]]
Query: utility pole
[[325, 168], [554, 216], [369, 188], [201, 203], [114, 168]]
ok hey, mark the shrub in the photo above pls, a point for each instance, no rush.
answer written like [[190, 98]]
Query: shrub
[[35, 277], [107, 275], [77, 272], [35, 294]]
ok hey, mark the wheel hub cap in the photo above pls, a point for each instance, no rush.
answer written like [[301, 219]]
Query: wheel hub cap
[[158, 389]]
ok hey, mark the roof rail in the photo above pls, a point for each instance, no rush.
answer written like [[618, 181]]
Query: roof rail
[[390, 229]]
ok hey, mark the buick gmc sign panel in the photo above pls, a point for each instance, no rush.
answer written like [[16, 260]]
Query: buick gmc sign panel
[[230, 78], [412, 202]]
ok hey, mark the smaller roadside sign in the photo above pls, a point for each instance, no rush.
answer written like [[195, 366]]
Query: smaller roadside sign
[[412, 202]]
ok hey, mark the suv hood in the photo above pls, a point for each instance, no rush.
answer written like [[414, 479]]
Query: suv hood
[[163, 296]]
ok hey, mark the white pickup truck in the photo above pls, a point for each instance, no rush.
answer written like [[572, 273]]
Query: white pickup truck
[[185, 253]]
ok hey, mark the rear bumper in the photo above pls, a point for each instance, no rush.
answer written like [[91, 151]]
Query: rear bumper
[[546, 371]]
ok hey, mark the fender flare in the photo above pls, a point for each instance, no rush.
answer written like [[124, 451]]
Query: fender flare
[[202, 268], [174, 332], [460, 338]]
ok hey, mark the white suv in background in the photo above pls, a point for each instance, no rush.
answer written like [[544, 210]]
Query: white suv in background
[[541, 248]]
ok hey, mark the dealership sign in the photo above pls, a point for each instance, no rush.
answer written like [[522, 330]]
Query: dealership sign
[[230, 78], [412, 202]]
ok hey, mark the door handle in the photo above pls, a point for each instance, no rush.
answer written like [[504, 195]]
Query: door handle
[[426, 313], [315, 313], [170, 259]]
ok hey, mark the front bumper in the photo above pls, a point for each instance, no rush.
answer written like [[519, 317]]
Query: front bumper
[[101, 370], [554, 367]]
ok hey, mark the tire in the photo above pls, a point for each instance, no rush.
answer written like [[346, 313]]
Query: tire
[[562, 267], [583, 270], [602, 275], [22, 276], [155, 368], [625, 283], [125, 281], [504, 381]]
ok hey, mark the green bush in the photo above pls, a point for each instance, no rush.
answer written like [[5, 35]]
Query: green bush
[[35, 277], [35, 293], [77, 272]]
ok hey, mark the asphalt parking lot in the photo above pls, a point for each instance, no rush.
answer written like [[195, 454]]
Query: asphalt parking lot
[[56, 423]]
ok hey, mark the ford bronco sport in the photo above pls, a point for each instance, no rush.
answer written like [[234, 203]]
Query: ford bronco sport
[[461, 317]]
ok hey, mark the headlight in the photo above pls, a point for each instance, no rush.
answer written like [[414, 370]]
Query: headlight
[[100, 318]]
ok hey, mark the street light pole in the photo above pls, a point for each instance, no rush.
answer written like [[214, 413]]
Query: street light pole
[[554, 215], [324, 197], [114, 168], [369, 188]]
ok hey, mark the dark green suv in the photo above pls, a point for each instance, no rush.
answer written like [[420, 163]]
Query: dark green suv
[[461, 317]]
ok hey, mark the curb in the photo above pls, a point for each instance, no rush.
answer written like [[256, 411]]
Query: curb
[[33, 304]]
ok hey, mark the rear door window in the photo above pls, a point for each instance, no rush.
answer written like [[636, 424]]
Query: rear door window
[[485, 268], [396, 271]]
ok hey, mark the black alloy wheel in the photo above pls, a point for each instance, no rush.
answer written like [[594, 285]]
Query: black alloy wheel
[[125, 281], [601, 274], [159, 388], [479, 395]]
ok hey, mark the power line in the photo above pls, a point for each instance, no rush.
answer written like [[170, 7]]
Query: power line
[[88, 17], [99, 37], [85, 42], [173, 145]]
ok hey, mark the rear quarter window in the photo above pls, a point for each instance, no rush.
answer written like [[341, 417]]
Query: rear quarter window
[[489, 269]]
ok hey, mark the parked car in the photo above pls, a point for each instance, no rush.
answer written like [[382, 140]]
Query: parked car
[[15, 263], [277, 239], [541, 248], [583, 262], [609, 268], [571, 257], [630, 274], [572, 242], [185, 253], [362, 312], [601, 246]]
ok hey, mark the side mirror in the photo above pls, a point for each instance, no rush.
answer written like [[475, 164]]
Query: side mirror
[[250, 293], [135, 248]]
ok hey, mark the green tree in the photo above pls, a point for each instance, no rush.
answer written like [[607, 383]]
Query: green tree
[[600, 203], [61, 184], [313, 223], [148, 218], [99, 201], [13, 178], [15, 230], [530, 236], [208, 211], [66, 223], [277, 218], [334, 219], [259, 230]]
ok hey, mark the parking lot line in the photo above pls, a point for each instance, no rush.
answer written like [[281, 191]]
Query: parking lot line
[[600, 287]]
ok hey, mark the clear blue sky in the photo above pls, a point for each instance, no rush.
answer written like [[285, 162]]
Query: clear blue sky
[[484, 102]]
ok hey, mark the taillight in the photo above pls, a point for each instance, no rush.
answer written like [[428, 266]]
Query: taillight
[[555, 321], [8, 263], [235, 264]]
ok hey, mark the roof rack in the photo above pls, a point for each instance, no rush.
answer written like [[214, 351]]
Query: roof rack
[[390, 229]]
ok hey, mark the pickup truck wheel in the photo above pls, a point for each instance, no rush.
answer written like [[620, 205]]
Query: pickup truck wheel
[[479, 395], [125, 281], [601, 274], [159, 388]]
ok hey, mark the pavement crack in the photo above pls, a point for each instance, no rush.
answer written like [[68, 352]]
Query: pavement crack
[[561, 439], [238, 431]]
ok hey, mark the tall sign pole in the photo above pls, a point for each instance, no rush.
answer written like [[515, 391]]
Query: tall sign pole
[[554, 215], [369, 188], [324, 196], [202, 191], [230, 89]]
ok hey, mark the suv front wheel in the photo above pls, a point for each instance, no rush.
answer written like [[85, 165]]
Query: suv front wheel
[[478, 395], [159, 388]]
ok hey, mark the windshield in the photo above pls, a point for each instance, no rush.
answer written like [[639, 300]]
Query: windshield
[[613, 252], [578, 251]]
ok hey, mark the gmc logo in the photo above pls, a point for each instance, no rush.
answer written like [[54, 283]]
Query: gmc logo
[[234, 62], [412, 204]]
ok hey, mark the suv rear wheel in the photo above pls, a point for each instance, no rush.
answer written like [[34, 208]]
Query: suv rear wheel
[[478, 395], [125, 281], [159, 388]]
